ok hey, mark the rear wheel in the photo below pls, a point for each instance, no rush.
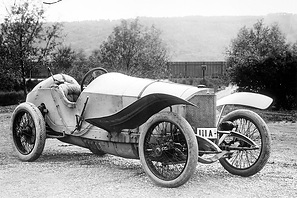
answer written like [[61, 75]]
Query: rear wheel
[[245, 161], [168, 149], [28, 131]]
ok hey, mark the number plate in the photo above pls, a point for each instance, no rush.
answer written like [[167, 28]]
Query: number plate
[[209, 133]]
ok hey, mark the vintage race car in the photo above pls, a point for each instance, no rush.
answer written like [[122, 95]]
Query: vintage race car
[[168, 126]]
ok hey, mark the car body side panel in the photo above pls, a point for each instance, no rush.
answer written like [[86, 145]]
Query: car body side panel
[[61, 114], [137, 113]]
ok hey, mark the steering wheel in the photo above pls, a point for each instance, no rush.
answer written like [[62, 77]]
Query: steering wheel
[[90, 76]]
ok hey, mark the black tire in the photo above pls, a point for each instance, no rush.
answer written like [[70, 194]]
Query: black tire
[[28, 131], [248, 162], [168, 149]]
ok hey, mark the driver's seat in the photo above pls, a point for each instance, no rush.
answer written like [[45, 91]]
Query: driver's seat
[[70, 90]]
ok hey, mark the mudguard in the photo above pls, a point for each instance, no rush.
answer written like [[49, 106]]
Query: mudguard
[[246, 99], [136, 113]]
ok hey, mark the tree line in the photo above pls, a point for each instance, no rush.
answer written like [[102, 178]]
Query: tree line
[[259, 59], [28, 43]]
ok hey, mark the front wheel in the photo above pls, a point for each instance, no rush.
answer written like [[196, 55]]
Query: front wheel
[[28, 131], [244, 160], [168, 149]]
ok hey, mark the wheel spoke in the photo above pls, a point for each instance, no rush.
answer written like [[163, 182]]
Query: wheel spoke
[[233, 159], [247, 158]]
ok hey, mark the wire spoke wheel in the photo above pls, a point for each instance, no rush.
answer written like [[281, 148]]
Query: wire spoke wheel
[[24, 132], [246, 160], [165, 150], [168, 149], [28, 131]]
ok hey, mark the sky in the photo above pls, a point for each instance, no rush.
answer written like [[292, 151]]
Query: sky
[[79, 10]]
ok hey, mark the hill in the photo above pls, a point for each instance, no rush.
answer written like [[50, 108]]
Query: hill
[[192, 38]]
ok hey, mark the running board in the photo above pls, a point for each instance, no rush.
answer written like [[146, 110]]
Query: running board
[[55, 135]]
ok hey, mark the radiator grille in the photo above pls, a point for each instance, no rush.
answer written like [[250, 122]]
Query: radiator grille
[[204, 115]]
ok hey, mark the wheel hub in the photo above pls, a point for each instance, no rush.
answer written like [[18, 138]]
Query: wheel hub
[[158, 151]]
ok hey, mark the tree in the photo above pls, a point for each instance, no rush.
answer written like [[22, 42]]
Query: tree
[[26, 40], [260, 60], [7, 76], [63, 59], [80, 66], [135, 50], [68, 61]]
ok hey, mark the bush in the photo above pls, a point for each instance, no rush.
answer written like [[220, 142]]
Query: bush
[[8, 81], [11, 98], [32, 83], [259, 60]]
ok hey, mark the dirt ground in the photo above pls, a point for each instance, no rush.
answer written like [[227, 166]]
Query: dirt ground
[[64, 170]]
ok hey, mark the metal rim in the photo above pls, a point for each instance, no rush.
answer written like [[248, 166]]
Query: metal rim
[[24, 132], [166, 150]]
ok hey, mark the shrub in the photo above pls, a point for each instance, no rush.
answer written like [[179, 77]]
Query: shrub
[[260, 60], [32, 83], [11, 98]]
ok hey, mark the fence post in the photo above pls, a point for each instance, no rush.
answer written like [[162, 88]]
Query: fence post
[[203, 67]]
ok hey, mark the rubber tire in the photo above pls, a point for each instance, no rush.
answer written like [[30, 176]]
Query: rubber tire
[[265, 140], [40, 129], [192, 150]]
